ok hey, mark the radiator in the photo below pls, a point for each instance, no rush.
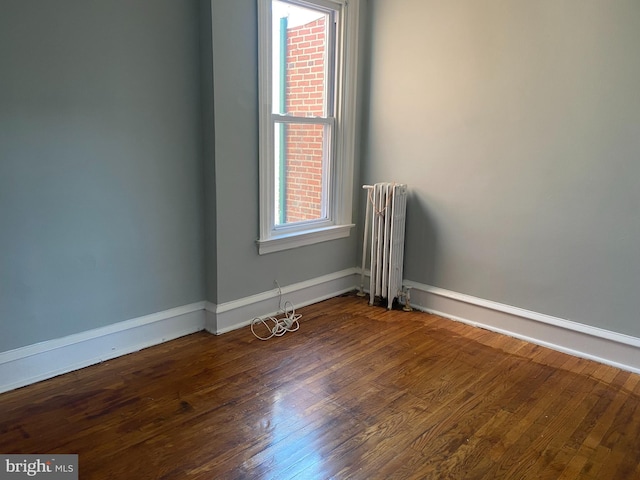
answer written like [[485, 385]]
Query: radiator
[[386, 212]]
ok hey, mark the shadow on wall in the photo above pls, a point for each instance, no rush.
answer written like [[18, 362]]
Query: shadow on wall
[[421, 242]]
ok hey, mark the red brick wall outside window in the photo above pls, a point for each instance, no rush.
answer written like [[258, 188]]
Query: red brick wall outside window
[[305, 91]]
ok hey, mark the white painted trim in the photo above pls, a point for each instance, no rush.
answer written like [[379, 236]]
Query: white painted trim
[[604, 346], [339, 218], [40, 361], [299, 239], [348, 112], [33, 363], [50, 358], [265, 126], [578, 339], [236, 314]]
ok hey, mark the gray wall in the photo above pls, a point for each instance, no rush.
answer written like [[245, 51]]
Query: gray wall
[[517, 127], [208, 152], [100, 164], [117, 121], [127, 188], [240, 270]]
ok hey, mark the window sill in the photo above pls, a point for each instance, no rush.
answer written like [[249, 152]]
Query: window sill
[[299, 239]]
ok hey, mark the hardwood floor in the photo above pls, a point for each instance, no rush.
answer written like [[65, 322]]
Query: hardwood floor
[[358, 392]]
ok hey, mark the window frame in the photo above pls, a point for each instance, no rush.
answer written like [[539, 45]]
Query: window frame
[[338, 224]]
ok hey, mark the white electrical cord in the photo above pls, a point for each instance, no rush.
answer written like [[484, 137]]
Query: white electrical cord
[[287, 323]]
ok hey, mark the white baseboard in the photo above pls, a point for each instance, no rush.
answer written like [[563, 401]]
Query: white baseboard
[[604, 346], [33, 363], [229, 316]]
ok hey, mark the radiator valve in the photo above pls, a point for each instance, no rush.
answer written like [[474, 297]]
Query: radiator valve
[[406, 295]]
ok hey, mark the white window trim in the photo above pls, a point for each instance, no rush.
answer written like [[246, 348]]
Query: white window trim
[[272, 238]]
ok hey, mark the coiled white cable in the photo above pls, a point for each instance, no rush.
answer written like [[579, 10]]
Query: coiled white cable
[[286, 322]]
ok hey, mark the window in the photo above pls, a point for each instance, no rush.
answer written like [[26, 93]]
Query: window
[[307, 67]]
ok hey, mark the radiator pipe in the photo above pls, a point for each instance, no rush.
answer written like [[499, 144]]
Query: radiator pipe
[[364, 242]]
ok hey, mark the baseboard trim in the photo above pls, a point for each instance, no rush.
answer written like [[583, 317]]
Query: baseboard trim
[[236, 314], [604, 346], [33, 363]]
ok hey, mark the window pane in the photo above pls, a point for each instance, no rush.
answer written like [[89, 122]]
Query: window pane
[[300, 60], [301, 172]]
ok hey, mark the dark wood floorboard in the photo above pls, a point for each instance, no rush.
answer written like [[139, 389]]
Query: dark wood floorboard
[[358, 392]]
